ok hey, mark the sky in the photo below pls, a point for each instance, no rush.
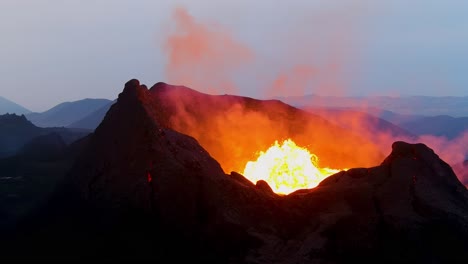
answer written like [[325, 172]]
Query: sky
[[64, 50]]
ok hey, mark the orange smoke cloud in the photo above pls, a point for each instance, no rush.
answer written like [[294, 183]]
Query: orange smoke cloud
[[293, 82], [453, 151], [234, 129], [382, 134], [203, 56]]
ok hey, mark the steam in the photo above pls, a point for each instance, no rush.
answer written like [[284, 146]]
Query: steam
[[203, 56], [235, 129], [298, 77], [453, 151]]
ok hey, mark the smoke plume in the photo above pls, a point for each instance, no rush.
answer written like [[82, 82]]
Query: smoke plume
[[202, 56]]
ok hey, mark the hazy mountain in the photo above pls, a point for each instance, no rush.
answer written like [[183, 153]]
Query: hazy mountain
[[441, 125], [7, 106], [16, 131], [446, 126], [92, 120], [67, 113], [410, 105], [142, 191], [360, 122], [417, 115], [393, 117]]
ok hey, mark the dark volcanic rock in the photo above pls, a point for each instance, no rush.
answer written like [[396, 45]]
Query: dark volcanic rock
[[157, 194], [47, 147], [411, 207], [134, 164]]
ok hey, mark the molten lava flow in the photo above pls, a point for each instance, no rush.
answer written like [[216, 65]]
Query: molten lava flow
[[287, 168]]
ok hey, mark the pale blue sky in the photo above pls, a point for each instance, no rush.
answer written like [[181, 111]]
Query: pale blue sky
[[62, 50]]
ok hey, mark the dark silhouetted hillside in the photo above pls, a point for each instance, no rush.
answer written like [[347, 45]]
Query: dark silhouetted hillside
[[67, 113], [139, 190], [16, 131], [46, 147], [28, 179]]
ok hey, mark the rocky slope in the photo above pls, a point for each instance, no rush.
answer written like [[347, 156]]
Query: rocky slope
[[141, 190], [16, 131]]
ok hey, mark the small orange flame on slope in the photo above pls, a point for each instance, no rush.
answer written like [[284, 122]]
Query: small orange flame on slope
[[287, 168]]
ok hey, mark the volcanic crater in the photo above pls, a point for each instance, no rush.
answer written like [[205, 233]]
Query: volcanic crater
[[151, 184]]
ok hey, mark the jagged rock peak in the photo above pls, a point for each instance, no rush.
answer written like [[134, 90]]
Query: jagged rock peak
[[13, 116], [402, 149], [133, 89]]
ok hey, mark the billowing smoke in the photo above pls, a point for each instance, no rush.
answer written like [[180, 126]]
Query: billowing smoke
[[205, 57], [233, 129], [453, 151], [298, 77]]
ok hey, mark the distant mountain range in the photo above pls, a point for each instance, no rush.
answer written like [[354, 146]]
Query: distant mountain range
[[397, 124], [360, 122], [439, 125], [419, 115], [16, 132], [65, 114], [91, 121], [7, 106], [412, 105], [139, 189], [416, 115], [444, 125]]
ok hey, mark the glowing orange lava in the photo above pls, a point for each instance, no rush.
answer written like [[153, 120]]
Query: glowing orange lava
[[287, 168]]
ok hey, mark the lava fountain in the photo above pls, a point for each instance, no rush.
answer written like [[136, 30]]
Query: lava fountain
[[287, 168]]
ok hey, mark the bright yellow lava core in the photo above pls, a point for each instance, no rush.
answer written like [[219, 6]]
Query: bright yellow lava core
[[287, 168]]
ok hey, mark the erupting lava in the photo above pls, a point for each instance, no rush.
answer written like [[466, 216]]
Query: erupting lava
[[287, 168]]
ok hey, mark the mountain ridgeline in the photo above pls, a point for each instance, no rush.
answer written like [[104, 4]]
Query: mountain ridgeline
[[16, 131], [405, 105], [65, 114], [142, 190]]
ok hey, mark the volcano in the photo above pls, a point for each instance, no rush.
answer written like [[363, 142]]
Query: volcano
[[148, 186]]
